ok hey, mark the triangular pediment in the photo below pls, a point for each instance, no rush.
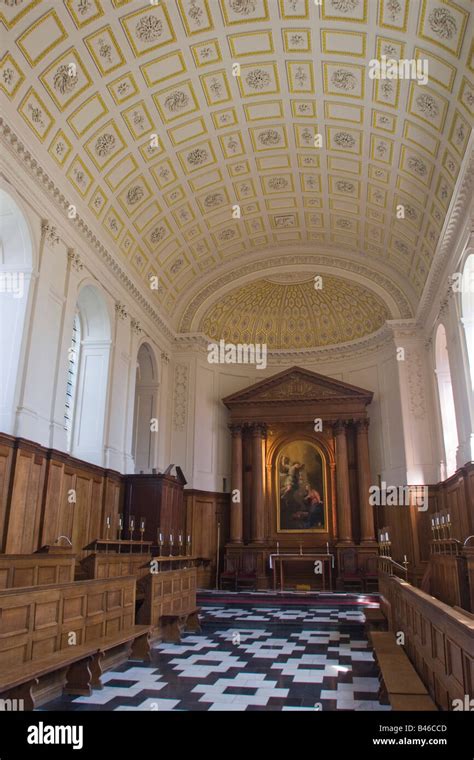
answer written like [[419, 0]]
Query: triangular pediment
[[298, 384]]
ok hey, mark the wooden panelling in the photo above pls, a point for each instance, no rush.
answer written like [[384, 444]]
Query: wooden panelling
[[441, 648], [410, 528], [45, 494], [158, 498], [6, 459], [206, 511], [35, 569], [447, 578], [172, 592], [35, 622], [24, 518], [110, 565]]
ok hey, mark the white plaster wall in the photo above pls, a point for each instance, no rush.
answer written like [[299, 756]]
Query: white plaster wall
[[37, 411], [202, 442]]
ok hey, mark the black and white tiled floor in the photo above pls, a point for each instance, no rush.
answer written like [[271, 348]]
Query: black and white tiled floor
[[251, 656]]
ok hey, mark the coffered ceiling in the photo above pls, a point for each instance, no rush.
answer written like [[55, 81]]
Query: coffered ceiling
[[88, 84]]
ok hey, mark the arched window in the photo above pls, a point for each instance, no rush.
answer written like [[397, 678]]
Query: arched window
[[145, 423], [87, 380], [72, 370], [446, 403], [16, 263], [467, 306]]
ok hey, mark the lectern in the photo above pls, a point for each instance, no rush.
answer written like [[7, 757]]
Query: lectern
[[159, 499]]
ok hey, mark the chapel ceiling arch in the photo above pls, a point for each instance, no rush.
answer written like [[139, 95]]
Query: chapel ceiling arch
[[86, 83]]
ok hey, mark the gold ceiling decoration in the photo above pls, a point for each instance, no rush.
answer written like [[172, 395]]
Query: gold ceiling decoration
[[134, 110], [295, 315]]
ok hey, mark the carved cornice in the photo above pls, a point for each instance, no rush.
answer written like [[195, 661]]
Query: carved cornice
[[31, 165], [447, 241], [369, 343]]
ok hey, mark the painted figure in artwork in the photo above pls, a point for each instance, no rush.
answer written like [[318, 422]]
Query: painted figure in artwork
[[300, 488]]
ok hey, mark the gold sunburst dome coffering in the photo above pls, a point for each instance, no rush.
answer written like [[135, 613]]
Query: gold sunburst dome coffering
[[292, 315]]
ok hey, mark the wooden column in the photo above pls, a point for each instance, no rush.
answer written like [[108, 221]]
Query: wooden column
[[344, 518], [366, 516], [335, 529], [236, 507], [258, 496]]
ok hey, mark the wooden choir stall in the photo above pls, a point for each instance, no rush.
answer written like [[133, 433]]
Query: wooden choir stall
[[96, 608], [300, 513]]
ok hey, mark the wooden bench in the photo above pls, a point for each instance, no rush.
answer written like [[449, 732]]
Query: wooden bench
[[18, 570], [66, 636], [383, 642], [169, 606], [375, 620], [400, 684]]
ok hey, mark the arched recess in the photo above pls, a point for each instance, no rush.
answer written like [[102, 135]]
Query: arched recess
[[91, 383], [467, 308], [145, 420], [16, 265], [446, 403]]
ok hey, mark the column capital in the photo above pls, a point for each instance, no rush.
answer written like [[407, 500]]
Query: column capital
[[236, 429], [339, 427], [258, 429], [362, 426]]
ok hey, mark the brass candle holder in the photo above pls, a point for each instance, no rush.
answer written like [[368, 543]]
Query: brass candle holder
[[120, 530], [160, 542]]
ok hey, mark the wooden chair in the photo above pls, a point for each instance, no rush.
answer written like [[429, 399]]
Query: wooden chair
[[350, 575], [228, 577], [370, 576], [247, 575]]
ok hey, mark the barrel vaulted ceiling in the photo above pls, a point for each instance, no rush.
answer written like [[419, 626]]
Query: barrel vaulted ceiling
[[165, 206]]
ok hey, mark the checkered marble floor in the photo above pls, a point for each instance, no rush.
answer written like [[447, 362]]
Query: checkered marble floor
[[251, 656]]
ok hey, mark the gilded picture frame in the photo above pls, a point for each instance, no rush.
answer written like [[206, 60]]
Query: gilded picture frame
[[301, 488]]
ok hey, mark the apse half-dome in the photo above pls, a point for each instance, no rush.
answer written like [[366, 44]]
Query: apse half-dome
[[293, 315]]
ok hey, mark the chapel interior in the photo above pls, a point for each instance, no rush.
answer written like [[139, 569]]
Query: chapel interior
[[236, 356]]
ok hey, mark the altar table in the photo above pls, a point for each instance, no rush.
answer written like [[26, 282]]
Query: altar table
[[280, 559]]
